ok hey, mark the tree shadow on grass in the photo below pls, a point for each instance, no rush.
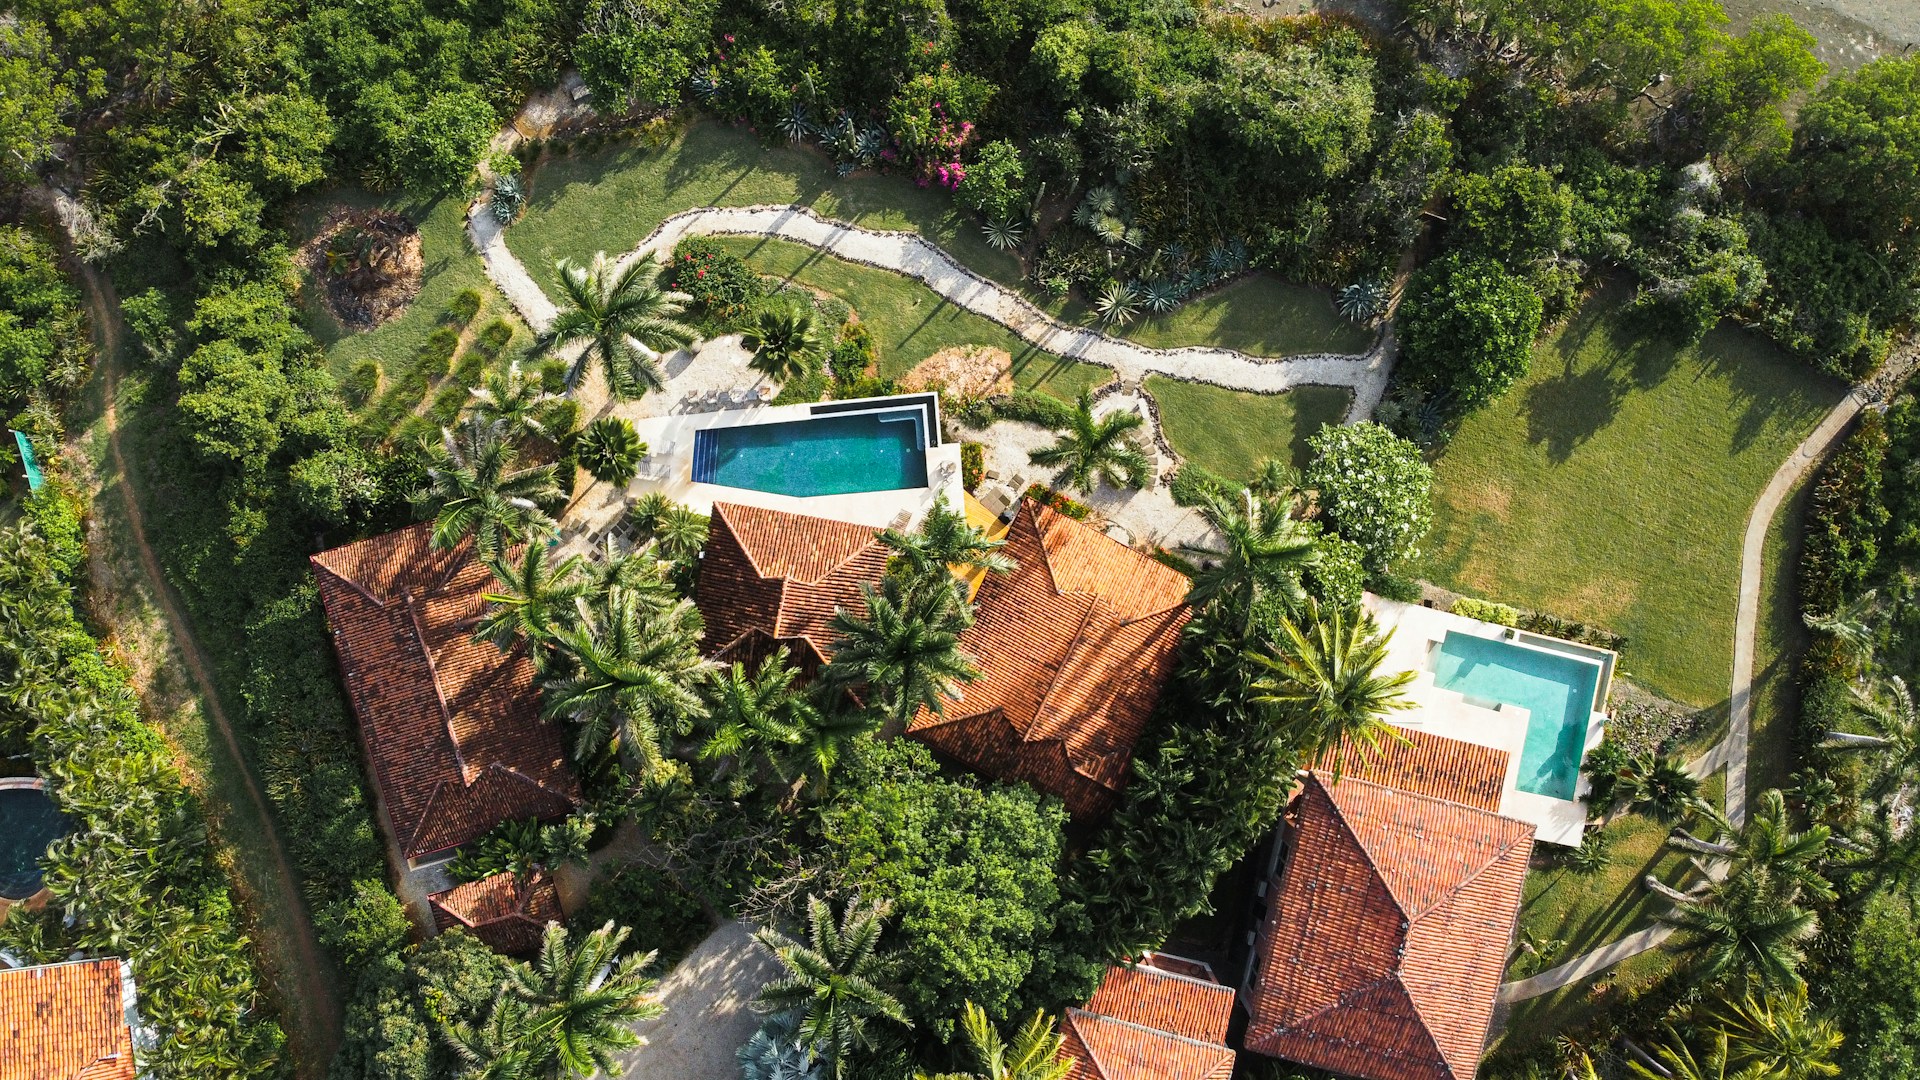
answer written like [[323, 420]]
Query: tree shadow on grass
[[1771, 388]]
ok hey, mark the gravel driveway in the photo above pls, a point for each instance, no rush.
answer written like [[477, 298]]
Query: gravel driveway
[[707, 1018]]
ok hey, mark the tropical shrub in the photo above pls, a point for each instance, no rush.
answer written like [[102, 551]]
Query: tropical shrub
[[853, 354], [973, 464], [641, 51], [1517, 216], [1845, 521], [1487, 611], [1467, 327], [665, 918], [995, 183], [43, 338], [1338, 573], [1373, 487], [721, 284]]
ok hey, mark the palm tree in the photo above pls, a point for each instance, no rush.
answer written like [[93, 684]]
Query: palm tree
[[945, 541], [1675, 1060], [584, 1001], [634, 675], [1882, 852], [515, 399], [1658, 785], [610, 450], [1766, 851], [498, 1049], [1775, 1031], [832, 981], [1265, 548], [619, 315], [1887, 707], [535, 601], [1737, 931], [679, 531], [906, 650], [785, 342], [1327, 679], [474, 489], [1034, 1053], [825, 734], [1104, 449], [1850, 627], [750, 714]]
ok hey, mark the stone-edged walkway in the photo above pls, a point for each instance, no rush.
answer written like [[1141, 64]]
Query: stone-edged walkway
[[913, 256], [1731, 751]]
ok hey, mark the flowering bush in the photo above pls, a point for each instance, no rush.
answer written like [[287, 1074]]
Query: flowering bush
[[722, 284], [1041, 493], [1373, 488], [931, 118]]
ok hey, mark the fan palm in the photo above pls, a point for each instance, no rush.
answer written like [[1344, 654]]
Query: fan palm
[[515, 399], [906, 649], [1091, 449], [1887, 707], [1766, 850], [832, 984], [1326, 678], [945, 541], [1737, 931], [1775, 1031], [785, 341], [534, 602], [634, 674], [1034, 1053], [474, 488], [619, 315], [1264, 549]]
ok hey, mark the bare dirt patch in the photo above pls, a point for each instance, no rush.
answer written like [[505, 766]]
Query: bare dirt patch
[[368, 265], [967, 372]]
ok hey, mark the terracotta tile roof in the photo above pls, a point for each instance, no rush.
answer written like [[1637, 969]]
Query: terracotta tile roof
[[1074, 645], [1152, 1021], [1388, 932], [1426, 764], [510, 915], [781, 576], [451, 726], [66, 1022]]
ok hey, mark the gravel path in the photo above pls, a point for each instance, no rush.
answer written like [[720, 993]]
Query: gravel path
[[707, 1018], [909, 254]]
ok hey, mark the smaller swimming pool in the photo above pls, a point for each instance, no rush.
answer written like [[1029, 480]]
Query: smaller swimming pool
[[28, 823], [883, 450], [1556, 689]]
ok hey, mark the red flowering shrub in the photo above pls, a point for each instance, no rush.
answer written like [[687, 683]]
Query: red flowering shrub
[[722, 285]]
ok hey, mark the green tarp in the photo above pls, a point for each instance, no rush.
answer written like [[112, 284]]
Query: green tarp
[[34, 479]]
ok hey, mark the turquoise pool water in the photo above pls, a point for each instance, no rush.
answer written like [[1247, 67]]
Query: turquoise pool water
[[823, 455], [28, 823], [1557, 691]]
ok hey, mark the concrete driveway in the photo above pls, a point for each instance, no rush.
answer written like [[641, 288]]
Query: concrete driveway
[[707, 1018]]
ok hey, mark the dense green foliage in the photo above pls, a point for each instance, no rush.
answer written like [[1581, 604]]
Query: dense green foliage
[[1468, 326], [1374, 489], [43, 340]]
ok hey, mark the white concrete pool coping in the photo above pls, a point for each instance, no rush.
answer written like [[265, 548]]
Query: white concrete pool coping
[[668, 468], [1416, 634]]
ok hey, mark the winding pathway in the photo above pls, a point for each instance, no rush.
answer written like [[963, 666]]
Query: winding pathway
[[913, 256]]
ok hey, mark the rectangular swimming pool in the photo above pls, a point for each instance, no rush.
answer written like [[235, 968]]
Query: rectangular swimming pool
[[1556, 690], [824, 455]]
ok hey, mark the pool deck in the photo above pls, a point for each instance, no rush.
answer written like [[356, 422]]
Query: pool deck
[[599, 508], [1417, 631]]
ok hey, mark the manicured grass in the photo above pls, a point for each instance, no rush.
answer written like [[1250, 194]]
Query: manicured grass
[[451, 265], [1229, 431], [1778, 646], [610, 199], [909, 321], [1260, 315], [1614, 483]]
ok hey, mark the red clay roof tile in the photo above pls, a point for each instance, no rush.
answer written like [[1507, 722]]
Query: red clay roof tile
[[1074, 645], [1388, 932], [451, 726], [781, 575], [508, 914], [1426, 764], [1164, 1018], [65, 1022]]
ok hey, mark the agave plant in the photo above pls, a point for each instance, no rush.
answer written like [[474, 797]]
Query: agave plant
[[1363, 300], [509, 195], [1003, 234], [1218, 260], [1119, 302], [1176, 253], [705, 84], [1099, 202], [796, 125], [777, 1052], [1160, 295]]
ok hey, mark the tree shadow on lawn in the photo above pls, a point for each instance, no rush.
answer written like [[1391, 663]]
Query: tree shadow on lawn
[[1619, 917]]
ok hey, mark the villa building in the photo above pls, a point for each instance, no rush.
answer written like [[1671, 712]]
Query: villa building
[[451, 726], [71, 1021], [1389, 916], [1074, 646], [1164, 1018], [506, 912]]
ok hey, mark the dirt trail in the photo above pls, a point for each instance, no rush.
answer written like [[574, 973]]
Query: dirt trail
[[316, 1036]]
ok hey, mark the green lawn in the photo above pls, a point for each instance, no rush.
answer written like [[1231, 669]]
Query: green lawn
[[1614, 483], [1260, 315], [1229, 431], [610, 199], [909, 321]]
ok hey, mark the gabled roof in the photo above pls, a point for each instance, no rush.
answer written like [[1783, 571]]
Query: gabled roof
[[1074, 646], [66, 1022], [508, 914], [451, 726], [1408, 759], [1388, 932], [768, 577], [1152, 1021]]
